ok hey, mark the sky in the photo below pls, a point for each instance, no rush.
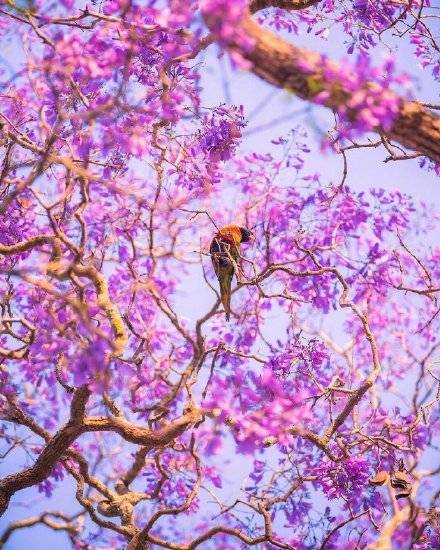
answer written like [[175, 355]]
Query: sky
[[265, 105]]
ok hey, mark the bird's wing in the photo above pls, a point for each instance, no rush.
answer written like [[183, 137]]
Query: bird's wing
[[219, 254]]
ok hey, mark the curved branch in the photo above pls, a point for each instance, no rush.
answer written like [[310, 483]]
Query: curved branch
[[219, 530], [50, 455], [46, 518], [23, 246], [78, 424], [106, 305], [90, 272], [257, 5], [138, 434], [300, 71]]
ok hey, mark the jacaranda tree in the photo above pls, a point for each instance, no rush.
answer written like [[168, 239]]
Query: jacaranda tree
[[307, 421]]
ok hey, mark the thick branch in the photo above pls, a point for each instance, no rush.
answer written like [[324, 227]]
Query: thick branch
[[58, 445], [300, 71], [138, 434], [23, 246], [257, 5], [105, 303], [50, 455]]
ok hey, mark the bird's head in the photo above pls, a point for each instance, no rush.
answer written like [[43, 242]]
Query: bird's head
[[246, 235]]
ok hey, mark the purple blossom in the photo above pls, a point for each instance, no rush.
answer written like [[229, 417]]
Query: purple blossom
[[92, 366], [348, 478]]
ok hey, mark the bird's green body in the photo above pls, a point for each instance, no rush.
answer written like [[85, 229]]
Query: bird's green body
[[225, 254], [225, 272]]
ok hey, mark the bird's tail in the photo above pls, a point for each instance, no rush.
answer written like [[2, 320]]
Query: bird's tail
[[225, 295]]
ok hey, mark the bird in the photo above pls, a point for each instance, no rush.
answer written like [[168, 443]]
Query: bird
[[225, 253]]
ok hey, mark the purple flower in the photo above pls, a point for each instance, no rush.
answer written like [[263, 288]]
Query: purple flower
[[92, 366]]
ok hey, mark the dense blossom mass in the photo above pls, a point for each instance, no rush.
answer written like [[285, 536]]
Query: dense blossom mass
[[310, 419]]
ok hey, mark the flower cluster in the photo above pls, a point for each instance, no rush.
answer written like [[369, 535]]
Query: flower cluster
[[198, 164], [225, 18], [424, 51], [348, 478], [221, 132], [269, 407], [92, 366], [369, 103]]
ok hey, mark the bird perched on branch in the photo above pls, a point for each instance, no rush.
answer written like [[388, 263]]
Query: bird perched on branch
[[225, 253]]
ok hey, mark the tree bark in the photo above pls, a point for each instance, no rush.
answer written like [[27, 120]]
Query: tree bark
[[282, 64]]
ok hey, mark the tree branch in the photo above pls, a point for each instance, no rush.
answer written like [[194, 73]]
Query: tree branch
[[50, 455], [257, 5], [77, 425], [283, 65]]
